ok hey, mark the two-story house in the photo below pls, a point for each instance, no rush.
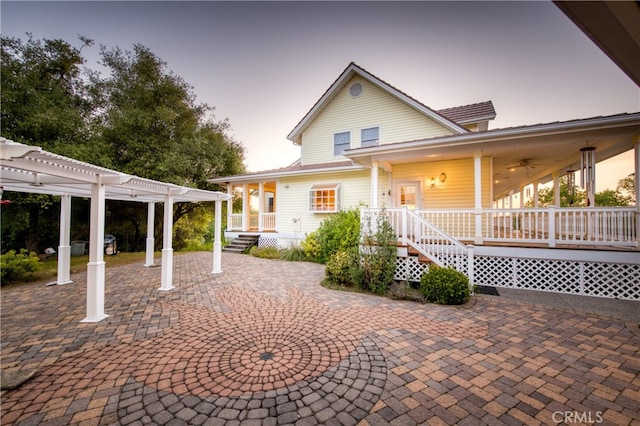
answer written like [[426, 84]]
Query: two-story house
[[446, 180]]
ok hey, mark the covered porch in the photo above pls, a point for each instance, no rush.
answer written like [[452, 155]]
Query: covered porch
[[466, 184], [252, 207]]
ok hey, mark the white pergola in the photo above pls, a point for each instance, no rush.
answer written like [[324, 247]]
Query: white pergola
[[26, 168]]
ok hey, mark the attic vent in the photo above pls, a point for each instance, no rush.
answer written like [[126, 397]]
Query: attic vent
[[355, 90]]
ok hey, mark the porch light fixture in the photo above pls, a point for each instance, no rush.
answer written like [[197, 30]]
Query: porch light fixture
[[432, 182]]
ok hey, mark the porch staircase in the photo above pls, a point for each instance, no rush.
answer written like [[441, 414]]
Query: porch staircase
[[242, 243]]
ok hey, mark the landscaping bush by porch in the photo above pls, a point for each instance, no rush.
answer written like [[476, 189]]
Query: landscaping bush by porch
[[445, 286]]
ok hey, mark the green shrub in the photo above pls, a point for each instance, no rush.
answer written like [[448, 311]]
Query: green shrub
[[341, 231], [265, 252], [18, 266], [377, 263], [293, 253], [311, 247], [445, 286], [340, 267]]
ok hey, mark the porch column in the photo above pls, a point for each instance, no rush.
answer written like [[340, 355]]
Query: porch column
[[536, 199], [230, 207], [374, 184], [556, 189], [477, 185], [166, 283], [245, 207], [95, 267], [217, 241], [637, 182], [64, 249], [260, 205], [151, 211]]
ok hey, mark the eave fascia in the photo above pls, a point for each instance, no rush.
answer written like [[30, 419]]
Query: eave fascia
[[252, 178], [363, 155]]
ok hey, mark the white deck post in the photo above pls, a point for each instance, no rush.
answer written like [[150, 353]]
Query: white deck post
[[556, 189], [95, 267], [217, 242], [637, 182], [552, 227], [64, 249], [477, 184], [151, 211], [245, 207], [374, 184], [260, 205], [167, 249], [470, 266], [230, 207]]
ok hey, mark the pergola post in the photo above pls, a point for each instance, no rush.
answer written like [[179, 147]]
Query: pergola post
[[95, 267], [151, 211], [167, 249], [64, 248], [217, 243]]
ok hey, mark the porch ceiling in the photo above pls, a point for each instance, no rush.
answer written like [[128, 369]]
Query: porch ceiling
[[30, 169], [520, 155]]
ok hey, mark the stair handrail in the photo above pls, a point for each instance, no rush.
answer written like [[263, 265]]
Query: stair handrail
[[439, 242]]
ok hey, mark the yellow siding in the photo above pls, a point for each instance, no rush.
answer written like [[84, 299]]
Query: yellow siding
[[293, 198], [374, 108], [456, 192]]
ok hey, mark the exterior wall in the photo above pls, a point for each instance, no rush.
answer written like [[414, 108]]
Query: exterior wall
[[374, 108], [458, 189], [293, 199]]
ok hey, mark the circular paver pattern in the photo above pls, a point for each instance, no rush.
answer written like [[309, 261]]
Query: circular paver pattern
[[345, 393]]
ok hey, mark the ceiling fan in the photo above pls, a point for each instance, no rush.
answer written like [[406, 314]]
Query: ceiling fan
[[527, 163]]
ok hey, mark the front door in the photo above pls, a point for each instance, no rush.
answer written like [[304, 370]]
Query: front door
[[407, 194]]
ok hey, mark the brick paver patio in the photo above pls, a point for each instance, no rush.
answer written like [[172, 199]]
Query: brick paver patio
[[264, 343]]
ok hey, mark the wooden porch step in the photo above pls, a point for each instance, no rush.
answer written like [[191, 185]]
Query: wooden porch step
[[242, 243], [411, 251]]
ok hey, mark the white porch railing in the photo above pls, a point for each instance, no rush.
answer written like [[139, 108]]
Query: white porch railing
[[611, 226], [602, 273], [412, 230], [268, 222]]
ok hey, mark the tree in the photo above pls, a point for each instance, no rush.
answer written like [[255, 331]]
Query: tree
[[627, 188], [546, 196], [42, 103], [140, 119]]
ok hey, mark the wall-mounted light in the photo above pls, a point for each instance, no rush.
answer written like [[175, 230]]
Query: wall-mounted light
[[433, 181]]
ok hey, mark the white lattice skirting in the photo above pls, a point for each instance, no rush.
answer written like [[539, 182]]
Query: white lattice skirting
[[268, 242], [588, 278]]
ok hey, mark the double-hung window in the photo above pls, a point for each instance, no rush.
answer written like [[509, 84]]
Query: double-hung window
[[324, 198], [341, 141], [370, 137]]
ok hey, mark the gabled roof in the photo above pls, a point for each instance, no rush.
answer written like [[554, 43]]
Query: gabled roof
[[472, 113], [346, 75]]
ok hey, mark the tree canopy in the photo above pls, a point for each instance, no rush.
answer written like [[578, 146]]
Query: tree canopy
[[138, 118]]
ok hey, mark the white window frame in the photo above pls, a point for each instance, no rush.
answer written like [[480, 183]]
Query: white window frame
[[369, 141], [348, 132], [323, 192]]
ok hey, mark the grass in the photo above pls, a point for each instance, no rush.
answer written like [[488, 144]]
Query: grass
[[79, 264]]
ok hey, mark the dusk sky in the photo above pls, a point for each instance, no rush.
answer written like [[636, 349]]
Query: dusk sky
[[263, 65]]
